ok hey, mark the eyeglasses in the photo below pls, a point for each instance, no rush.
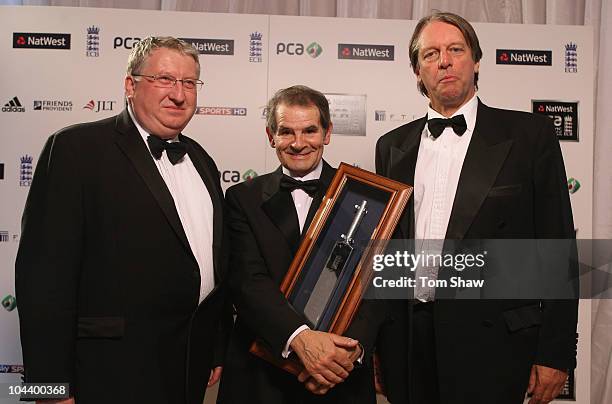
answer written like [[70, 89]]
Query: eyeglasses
[[167, 81]]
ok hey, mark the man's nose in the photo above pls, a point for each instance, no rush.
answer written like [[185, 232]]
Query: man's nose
[[445, 60], [298, 141], [177, 93]]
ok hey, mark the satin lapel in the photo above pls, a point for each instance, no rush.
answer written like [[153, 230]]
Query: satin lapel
[[130, 142], [213, 190], [402, 165], [279, 207], [485, 157], [327, 175]]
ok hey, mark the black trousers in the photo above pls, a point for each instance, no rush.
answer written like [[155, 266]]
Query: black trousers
[[423, 364]]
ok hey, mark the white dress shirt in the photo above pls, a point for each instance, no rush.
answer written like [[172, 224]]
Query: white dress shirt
[[302, 202], [436, 177], [193, 205]]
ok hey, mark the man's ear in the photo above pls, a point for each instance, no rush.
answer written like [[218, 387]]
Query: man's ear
[[328, 133], [129, 84], [270, 137]]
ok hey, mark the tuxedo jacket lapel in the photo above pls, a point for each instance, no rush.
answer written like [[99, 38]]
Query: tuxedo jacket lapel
[[485, 156], [278, 206], [130, 142], [402, 165]]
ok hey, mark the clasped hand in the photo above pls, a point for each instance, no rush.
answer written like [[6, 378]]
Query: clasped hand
[[327, 358]]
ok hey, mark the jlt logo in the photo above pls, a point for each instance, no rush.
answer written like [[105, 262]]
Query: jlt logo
[[97, 106]]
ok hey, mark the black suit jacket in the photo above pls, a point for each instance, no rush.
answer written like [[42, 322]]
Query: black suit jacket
[[512, 185], [264, 234], [108, 286]]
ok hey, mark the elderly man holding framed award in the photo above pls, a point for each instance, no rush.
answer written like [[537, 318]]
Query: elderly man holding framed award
[[296, 262]]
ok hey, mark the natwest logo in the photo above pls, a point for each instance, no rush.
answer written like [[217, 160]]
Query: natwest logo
[[34, 40], [564, 115], [126, 42], [523, 57], [212, 46], [236, 111], [366, 52]]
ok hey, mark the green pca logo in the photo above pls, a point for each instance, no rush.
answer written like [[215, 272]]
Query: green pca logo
[[314, 50], [9, 303]]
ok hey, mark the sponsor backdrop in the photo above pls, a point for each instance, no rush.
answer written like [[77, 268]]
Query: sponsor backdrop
[[66, 65]]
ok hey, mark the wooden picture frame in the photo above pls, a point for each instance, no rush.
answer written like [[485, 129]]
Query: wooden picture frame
[[359, 207]]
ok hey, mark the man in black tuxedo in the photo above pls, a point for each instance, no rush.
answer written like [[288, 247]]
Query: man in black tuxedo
[[119, 272], [266, 217], [478, 173]]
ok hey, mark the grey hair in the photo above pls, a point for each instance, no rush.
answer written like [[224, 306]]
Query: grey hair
[[143, 49], [298, 95]]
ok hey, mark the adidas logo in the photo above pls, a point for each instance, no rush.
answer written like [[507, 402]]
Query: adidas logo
[[13, 106]]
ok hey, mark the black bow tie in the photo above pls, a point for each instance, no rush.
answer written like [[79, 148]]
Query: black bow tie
[[436, 125], [310, 187], [174, 150]]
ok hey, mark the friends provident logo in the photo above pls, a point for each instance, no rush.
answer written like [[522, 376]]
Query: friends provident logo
[[35, 40], [366, 52], [523, 57]]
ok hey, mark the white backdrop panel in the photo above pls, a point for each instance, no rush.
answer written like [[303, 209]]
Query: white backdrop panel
[[238, 85]]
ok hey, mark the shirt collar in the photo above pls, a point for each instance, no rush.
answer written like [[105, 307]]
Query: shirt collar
[[143, 133], [313, 175], [469, 110]]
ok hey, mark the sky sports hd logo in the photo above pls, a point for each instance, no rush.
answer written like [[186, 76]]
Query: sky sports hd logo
[[212, 46], [35, 40], [226, 111], [523, 57], [366, 52]]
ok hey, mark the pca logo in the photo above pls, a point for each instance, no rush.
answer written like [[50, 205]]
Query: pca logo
[[573, 185], [14, 105], [314, 50], [255, 47], [127, 42], [4, 236], [25, 171], [233, 176], [9, 303], [92, 47], [249, 175], [297, 49], [564, 116], [571, 58]]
